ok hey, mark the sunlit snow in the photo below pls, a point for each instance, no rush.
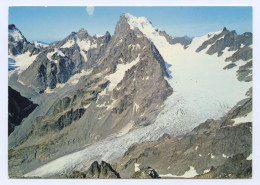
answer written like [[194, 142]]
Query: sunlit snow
[[22, 61], [116, 77], [247, 118], [188, 174]]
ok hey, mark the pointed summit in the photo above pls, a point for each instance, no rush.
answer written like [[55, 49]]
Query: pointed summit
[[137, 22], [82, 34], [225, 30], [15, 34], [11, 26]]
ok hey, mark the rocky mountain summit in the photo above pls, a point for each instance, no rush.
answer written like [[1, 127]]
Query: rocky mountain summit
[[17, 43], [149, 104]]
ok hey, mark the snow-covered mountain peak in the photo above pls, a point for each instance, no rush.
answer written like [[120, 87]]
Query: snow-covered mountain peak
[[15, 33], [138, 22]]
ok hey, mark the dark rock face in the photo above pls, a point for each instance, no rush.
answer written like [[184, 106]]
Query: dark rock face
[[145, 173], [182, 40], [244, 54], [67, 118], [244, 72], [19, 107], [212, 40], [95, 171]]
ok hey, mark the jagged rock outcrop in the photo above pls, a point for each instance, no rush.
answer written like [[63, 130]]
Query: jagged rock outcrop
[[212, 40], [19, 107], [226, 39], [182, 40], [95, 171], [145, 173]]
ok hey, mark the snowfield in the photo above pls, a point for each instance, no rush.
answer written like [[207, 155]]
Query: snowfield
[[22, 62], [202, 90]]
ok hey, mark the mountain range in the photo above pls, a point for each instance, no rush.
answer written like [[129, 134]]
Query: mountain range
[[140, 102]]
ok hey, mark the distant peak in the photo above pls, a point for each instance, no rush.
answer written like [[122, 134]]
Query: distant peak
[[82, 30], [225, 29], [107, 33], [11, 26], [186, 37], [126, 15]]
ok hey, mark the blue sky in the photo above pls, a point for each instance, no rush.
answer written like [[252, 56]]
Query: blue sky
[[49, 24]]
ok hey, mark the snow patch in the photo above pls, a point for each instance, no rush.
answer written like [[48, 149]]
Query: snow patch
[[223, 155], [50, 54], [249, 158], [206, 171], [188, 174], [116, 77], [40, 45], [68, 44], [75, 78], [84, 45], [247, 118], [98, 35], [137, 167], [135, 107]]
